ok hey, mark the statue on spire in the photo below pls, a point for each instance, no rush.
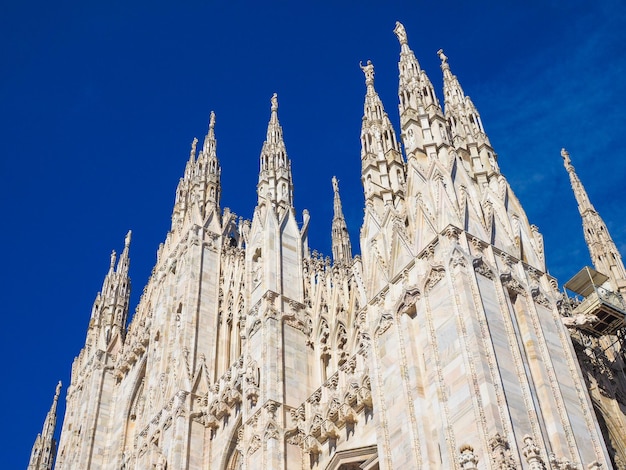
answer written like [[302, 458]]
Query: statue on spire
[[192, 153], [274, 102], [127, 239], [212, 120], [443, 57], [400, 33], [566, 160], [335, 185], [368, 70]]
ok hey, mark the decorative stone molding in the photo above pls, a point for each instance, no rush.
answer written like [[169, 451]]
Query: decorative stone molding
[[452, 232], [384, 323], [457, 258], [410, 296], [256, 325], [255, 444], [437, 273], [561, 463], [501, 454], [532, 454], [271, 432], [467, 458], [481, 268], [511, 283], [539, 297]]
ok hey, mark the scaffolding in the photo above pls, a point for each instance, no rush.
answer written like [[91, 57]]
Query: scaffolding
[[606, 308]]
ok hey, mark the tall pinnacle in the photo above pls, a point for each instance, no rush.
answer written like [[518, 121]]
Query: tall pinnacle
[[382, 165], [415, 90], [45, 447], [422, 122], [342, 250], [275, 185], [604, 254], [584, 204], [124, 263], [110, 309], [459, 109], [209, 140], [200, 185], [208, 182]]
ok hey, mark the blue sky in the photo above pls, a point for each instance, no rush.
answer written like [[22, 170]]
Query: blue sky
[[99, 104]]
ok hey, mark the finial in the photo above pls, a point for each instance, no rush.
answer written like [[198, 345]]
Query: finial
[[443, 57], [127, 239], [113, 256], [212, 120], [400, 33], [335, 185], [192, 153], [274, 102], [368, 70]]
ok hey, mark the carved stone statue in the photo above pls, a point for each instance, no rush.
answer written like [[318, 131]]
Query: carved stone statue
[[400, 33]]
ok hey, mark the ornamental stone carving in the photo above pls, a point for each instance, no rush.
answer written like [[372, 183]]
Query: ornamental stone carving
[[467, 458]]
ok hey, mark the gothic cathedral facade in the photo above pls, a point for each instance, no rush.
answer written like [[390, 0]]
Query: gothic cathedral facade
[[444, 344]]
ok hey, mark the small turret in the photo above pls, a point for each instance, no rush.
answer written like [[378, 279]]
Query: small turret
[[382, 166], [45, 447], [275, 187], [342, 249], [604, 254]]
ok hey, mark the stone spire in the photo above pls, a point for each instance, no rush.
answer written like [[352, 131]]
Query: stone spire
[[342, 250], [45, 447], [604, 254], [382, 166], [467, 132], [275, 187], [209, 171], [415, 90], [110, 309], [200, 184], [124, 262], [459, 109], [422, 121]]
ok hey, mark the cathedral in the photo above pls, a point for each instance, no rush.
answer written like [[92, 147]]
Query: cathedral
[[444, 344]]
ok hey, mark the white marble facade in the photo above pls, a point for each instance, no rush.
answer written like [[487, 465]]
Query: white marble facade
[[441, 346]]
